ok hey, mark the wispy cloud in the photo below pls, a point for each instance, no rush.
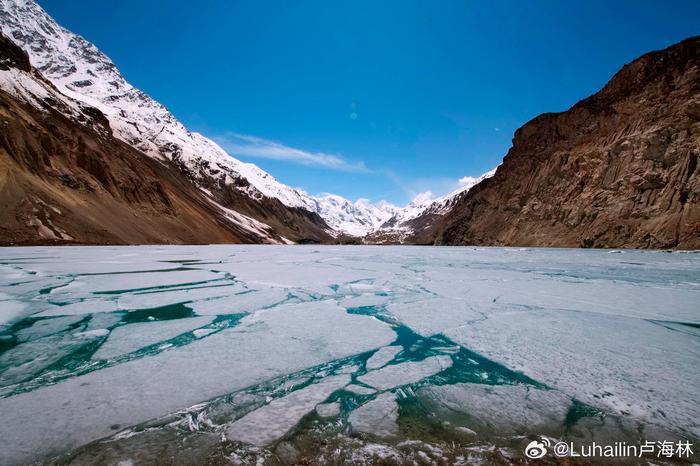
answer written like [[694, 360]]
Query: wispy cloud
[[243, 145], [425, 190], [467, 181]]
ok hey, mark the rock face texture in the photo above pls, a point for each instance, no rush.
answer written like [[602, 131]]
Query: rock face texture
[[64, 178], [618, 169]]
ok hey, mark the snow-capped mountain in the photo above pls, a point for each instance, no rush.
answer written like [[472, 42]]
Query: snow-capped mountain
[[84, 77], [416, 222], [362, 217], [84, 74], [66, 179], [81, 71], [354, 218], [424, 203]]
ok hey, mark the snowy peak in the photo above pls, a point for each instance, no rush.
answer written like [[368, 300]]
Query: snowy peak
[[81, 71], [354, 218], [365, 219], [84, 77], [74, 182], [424, 203]]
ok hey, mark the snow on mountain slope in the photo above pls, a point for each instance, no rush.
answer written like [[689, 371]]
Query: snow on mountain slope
[[424, 203], [354, 218], [83, 73], [78, 69], [23, 84], [362, 217]]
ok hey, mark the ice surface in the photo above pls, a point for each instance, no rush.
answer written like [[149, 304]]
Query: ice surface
[[247, 301], [203, 332], [620, 364], [445, 313], [271, 422], [328, 409], [351, 369], [366, 299], [100, 284], [405, 373], [503, 409], [377, 417], [317, 277], [103, 320], [268, 344], [618, 332], [88, 306], [98, 332], [383, 356], [127, 338], [30, 358], [359, 389], [83, 260], [10, 309], [189, 295], [45, 327]]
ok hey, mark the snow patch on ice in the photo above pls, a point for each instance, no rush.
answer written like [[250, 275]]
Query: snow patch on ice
[[377, 417], [360, 390], [405, 373], [127, 338], [503, 409], [382, 357], [328, 410], [271, 422]]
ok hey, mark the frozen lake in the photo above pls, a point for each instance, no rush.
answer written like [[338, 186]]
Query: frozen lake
[[245, 354]]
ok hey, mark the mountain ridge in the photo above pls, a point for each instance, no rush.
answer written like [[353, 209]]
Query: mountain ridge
[[81, 71], [66, 180]]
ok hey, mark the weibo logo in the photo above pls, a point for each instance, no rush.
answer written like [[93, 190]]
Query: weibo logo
[[537, 448]]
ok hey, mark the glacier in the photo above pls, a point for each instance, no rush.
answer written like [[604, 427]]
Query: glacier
[[330, 353]]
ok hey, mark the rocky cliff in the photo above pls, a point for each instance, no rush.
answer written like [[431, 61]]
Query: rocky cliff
[[618, 169]]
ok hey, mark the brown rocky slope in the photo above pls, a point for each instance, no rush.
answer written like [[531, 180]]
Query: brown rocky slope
[[618, 169], [64, 179]]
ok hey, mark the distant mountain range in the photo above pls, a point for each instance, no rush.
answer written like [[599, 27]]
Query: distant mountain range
[[89, 159]]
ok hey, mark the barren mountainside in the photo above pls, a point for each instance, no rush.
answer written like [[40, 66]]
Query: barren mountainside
[[65, 178], [79, 71], [618, 169]]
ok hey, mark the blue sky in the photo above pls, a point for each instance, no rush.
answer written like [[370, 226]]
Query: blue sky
[[375, 99]]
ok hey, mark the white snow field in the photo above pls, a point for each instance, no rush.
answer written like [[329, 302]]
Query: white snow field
[[387, 353]]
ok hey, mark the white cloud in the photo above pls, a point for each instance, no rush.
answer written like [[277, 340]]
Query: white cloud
[[425, 197], [467, 181], [434, 189], [242, 145]]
